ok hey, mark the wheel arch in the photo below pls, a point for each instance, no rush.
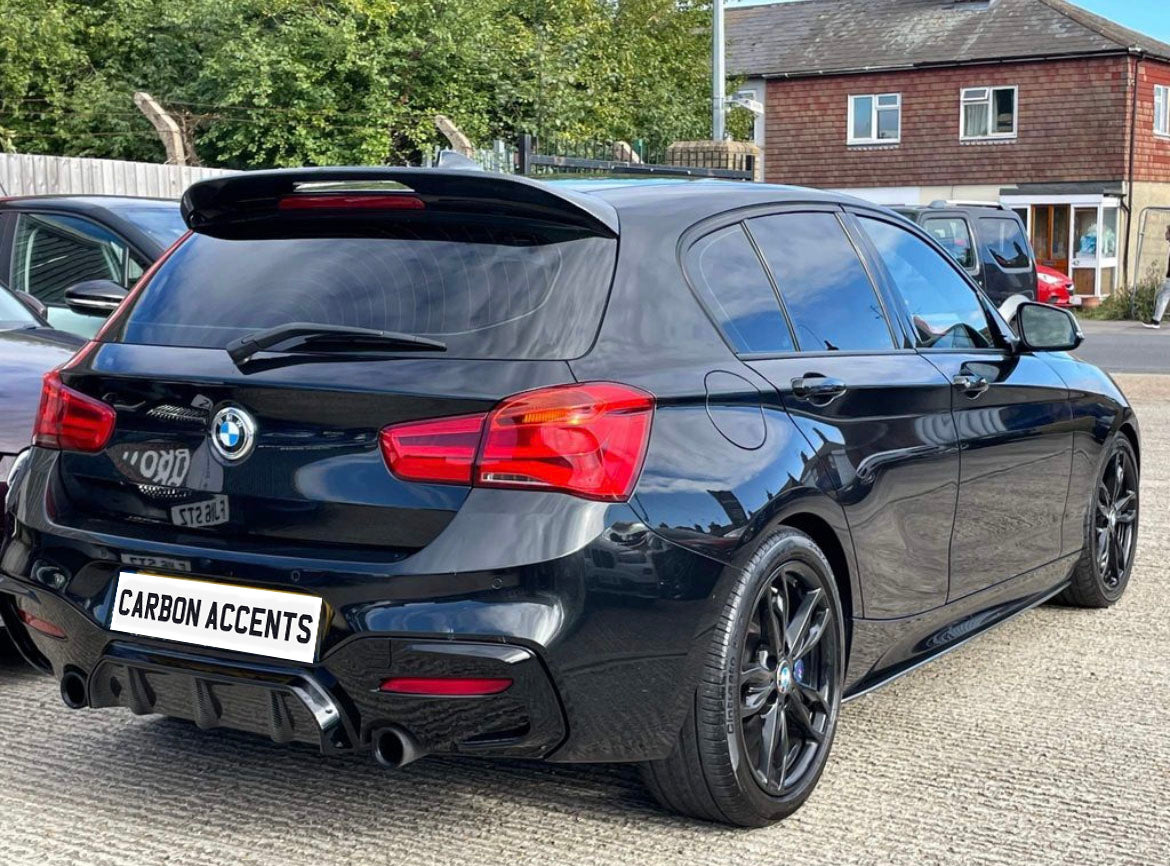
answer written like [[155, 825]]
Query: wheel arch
[[826, 538], [1130, 433]]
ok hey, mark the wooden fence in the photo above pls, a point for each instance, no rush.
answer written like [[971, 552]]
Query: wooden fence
[[32, 174]]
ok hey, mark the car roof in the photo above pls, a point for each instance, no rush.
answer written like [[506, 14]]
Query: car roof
[[674, 204], [81, 203], [107, 209]]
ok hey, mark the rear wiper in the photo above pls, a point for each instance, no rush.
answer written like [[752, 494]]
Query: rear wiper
[[327, 338]]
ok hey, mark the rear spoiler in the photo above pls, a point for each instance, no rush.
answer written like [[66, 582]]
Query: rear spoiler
[[227, 205]]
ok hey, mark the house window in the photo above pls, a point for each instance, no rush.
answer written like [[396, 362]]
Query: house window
[[1161, 110], [875, 118], [989, 112]]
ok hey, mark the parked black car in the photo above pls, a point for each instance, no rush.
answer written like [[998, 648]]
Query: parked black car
[[613, 471], [988, 240], [80, 254]]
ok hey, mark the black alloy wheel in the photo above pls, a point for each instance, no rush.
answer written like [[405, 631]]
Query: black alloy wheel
[[1111, 531], [787, 678], [765, 709], [1115, 518]]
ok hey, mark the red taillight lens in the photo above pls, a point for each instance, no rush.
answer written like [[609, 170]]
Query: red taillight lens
[[350, 201], [42, 625], [441, 450], [446, 686], [69, 420], [588, 440]]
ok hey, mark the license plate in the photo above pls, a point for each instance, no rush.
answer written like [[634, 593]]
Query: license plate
[[262, 622], [207, 512]]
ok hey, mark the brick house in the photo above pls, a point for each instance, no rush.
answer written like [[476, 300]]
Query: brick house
[[1038, 104]]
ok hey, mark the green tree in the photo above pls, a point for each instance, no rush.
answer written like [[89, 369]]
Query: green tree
[[287, 82]]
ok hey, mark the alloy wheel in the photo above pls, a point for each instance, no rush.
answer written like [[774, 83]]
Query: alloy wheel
[[1115, 518], [787, 682]]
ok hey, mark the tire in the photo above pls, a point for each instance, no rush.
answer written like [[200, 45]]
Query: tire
[[747, 689], [1099, 580]]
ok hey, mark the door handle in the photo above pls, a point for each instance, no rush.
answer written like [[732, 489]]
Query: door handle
[[971, 384], [817, 388]]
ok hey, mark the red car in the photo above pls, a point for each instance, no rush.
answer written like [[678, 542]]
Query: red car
[[1053, 287]]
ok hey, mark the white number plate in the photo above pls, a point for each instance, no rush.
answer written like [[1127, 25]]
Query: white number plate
[[208, 512], [262, 622]]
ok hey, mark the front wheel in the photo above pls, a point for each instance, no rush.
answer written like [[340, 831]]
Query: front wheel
[[1111, 527], [765, 711]]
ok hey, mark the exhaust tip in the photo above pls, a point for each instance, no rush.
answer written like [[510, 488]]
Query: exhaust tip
[[73, 691], [394, 747]]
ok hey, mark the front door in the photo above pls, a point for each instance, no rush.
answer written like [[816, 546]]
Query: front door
[[877, 414], [1011, 414], [1050, 234]]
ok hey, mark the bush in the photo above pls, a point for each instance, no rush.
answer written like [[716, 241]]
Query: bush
[[1120, 304]]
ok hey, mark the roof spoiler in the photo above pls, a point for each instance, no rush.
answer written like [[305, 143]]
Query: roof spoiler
[[227, 205]]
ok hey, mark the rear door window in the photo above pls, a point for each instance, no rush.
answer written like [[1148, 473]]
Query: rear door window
[[734, 287], [945, 311], [829, 297], [485, 291], [1005, 240], [954, 235]]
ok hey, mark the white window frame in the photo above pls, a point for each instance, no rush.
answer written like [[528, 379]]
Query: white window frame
[[873, 118], [1162, 110], [990, 100]]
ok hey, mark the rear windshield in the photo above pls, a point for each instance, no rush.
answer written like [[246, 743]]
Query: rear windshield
[[485, 292]]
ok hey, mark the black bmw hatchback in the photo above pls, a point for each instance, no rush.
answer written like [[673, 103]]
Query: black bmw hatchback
[[415, 461]]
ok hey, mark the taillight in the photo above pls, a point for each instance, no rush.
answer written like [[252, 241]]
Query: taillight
[[588, 440], [71, 421], [442, 450], [461, 687]]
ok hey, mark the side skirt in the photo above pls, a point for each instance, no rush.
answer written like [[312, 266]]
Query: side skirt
[[883, 650]]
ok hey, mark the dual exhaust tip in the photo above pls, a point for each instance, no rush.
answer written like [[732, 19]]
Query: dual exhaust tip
[[74, 691], [393, 747]]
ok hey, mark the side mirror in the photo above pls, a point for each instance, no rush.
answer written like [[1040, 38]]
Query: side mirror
[[1044, 328], [95, 297], [33, 305]]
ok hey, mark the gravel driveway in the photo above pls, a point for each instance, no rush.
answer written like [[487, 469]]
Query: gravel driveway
[[1047, 741]]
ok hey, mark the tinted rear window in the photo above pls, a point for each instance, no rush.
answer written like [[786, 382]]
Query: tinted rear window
[[830, 299], [1005, 238], [486, 293], [733, 284]]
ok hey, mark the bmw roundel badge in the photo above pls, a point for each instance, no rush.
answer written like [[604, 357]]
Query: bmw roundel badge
[[233, 433]]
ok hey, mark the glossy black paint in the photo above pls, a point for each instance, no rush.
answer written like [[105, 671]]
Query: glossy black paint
[[610, 604]]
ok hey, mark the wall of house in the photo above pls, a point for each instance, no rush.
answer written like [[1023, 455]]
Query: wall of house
[[1073, 118], [1151, 152]]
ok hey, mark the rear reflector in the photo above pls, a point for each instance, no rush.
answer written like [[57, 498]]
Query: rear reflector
[[587, 440], [71, 421], [42, 625], [350, 201], [446, 686]]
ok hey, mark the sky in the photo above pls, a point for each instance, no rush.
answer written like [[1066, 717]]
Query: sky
[[1151, 17]]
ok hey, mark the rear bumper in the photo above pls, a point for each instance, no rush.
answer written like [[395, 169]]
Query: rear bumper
[[599, 622], [335, 705]]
